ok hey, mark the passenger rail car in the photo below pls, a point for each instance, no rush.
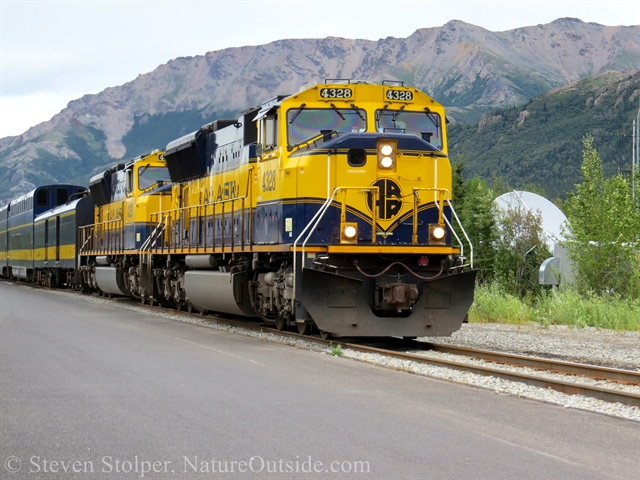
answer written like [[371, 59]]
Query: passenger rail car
[[56, 244], [20, 216], [4, 241], [331, 207]]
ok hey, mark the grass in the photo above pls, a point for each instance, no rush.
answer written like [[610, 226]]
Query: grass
[[555, 307], [337, 351]]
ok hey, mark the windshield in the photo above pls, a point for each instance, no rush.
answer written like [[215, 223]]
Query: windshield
[[148, 176], [423, 124], [306, 124]]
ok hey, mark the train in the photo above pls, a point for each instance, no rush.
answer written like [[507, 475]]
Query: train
[[326, 210]]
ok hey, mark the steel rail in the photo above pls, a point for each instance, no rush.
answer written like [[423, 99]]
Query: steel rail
[[570, 388], [558, 366]]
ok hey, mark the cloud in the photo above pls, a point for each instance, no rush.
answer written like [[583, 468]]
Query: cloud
[[24, 71], [18, 111]]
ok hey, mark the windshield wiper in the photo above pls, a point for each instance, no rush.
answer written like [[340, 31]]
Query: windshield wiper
[[436, 121], [380, 112], [396, 114], [295, 115], [353, 105], [337, 111]]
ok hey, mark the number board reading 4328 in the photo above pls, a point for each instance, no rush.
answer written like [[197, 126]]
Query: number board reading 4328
[[327, 93], [399, 95]]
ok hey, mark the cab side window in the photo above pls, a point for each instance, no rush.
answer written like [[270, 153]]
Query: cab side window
[[62, 194], [42, 197], [269, 132]]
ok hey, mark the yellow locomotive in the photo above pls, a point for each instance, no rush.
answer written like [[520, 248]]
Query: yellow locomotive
[[125, 196], [328, 208]]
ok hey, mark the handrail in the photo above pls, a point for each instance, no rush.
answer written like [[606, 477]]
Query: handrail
[[86, 238], [453, 210], [322, 209], [147, 243], [116, 232], [201, 213], [443, 192], [416, 203]]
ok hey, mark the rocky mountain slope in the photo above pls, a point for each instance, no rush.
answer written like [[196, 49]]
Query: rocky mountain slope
[[465, 67]]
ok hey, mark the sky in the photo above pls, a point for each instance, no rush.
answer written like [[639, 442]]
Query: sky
[[52, 52]]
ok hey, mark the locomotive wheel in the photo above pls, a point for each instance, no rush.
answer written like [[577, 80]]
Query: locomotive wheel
[[325, 335], [304, 328], [190, 308], [281, 322]]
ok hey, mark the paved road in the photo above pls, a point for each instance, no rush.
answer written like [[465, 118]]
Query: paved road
[[107, 392]]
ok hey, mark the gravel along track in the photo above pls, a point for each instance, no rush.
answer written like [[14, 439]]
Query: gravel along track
[[586, 345], [607, 348]]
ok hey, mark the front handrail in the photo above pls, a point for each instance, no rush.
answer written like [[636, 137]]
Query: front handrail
[[453, 211], [442, 193], [443, 197], [320, 213]]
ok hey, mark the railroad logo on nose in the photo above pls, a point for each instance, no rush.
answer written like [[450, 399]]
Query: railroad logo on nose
[[389, 200]]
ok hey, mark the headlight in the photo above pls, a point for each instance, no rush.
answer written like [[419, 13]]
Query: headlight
[[386, 154], [437, 234], [386, 162], [349, 232], [386, 149]]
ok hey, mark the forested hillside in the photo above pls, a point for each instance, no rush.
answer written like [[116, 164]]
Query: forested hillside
[[540, 143]]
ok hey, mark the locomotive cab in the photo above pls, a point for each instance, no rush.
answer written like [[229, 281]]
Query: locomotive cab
[[371, 216]]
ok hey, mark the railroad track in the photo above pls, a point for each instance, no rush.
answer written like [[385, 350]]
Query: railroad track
[[541, 365]]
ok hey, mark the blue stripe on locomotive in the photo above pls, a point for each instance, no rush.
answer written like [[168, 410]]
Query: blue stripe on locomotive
[[136, 234], [270, 221], [269, 227]]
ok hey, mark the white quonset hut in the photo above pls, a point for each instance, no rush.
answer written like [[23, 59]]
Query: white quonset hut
[[557, 269]]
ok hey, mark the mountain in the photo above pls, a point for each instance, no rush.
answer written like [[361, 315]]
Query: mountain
[[467, 68], [540, 143]]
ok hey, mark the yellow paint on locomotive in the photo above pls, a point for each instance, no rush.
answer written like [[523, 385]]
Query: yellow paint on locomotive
[[288, 175], [135, 206], [212, 195], [301, 176]]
